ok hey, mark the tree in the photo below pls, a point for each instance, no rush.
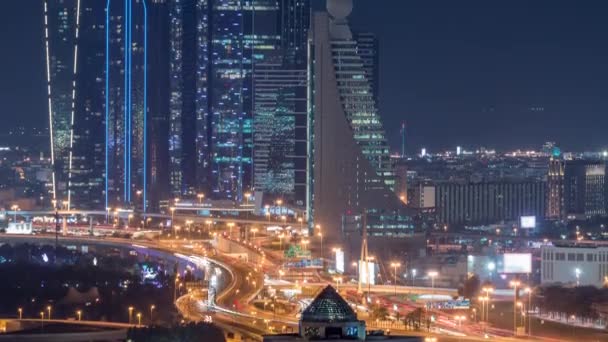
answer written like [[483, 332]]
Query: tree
[[470, 288], [379, 313]]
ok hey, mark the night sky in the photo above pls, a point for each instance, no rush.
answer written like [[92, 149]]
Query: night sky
[[496, 73]]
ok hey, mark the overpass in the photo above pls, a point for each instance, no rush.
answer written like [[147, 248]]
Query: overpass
[[112, 331], [124, 215]]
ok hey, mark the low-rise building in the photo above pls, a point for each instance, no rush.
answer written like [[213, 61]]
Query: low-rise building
[[574, 264]]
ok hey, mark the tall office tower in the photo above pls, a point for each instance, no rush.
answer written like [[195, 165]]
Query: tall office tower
[[230, 102], [126, 103], [61, 21], [369, 51], [352, 174], [278, 46], [158, 102], [189, 111], [556, 206], [87, 182], [585, 189], [280, 132], [294, 23]]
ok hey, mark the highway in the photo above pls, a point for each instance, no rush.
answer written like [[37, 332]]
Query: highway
[[233, 311]]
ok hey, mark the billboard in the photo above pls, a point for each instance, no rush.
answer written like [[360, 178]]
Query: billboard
[[367, 272], [517, 263], [340, 261], [527, 222]]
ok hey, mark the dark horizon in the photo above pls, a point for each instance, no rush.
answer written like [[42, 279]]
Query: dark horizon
[[508, 75]]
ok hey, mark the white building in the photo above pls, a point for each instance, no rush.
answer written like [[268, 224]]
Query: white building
[[574, 264], [19, 228]]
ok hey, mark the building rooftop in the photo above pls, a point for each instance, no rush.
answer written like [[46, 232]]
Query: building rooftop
[[329, 307]]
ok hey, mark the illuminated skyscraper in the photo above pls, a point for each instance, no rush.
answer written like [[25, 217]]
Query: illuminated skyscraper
[[352, 173], [278, 44], [369, 51], [126, 103], [61, 20], [87, 181], [189, 65]]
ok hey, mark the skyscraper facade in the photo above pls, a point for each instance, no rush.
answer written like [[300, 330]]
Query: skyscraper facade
[[189, 107], [158, 103], [87, 171], [576, 189], [369, 51], [352, 174], [61, 24], [126, 103], [279, 83], [218, 49]]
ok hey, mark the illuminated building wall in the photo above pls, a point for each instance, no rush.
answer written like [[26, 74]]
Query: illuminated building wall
[[352, 173], [278, 38], [189, 66], [368, 48], [60, 33], [126, 103], [87, 182]]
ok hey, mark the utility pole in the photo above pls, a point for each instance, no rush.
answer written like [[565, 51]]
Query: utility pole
[[364, 258]]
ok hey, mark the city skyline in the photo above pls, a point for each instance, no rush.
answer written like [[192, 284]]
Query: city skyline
[[534, 67]]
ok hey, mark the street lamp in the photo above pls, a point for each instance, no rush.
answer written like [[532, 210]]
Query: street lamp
[[48, 308], [79, 314], [279, 202], [577, 272], [200, 198], [172, 209], [230, 225], [395, 265], [528, 290], [247, 197], [139, 318], [433, 275], [14, 208], [20, 310], [254, 230], [152, 307], [487, 290], [320, 235], [338, 281], [130, 314], [515, 284], [413, 276]]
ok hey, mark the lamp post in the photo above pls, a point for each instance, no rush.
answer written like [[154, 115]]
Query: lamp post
[[130, 314], [79, 314], [48, 309], [433, 275], [139, 318], [515, 284], [152, 307], [528, 290], [395, 265], [487, 290], [20, 310], [413, 276], [14, 208], [42, 319], [200, 198], [482, 299], [281, 236], [320, 234], [172, 209]]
